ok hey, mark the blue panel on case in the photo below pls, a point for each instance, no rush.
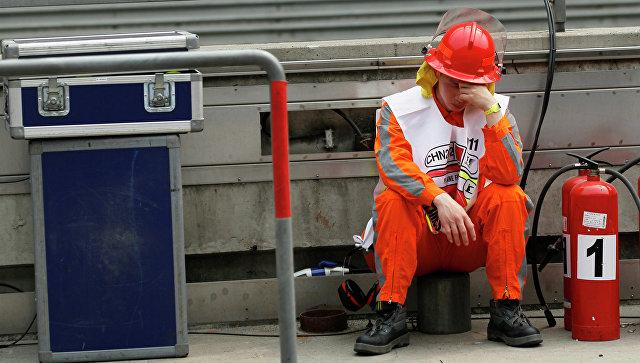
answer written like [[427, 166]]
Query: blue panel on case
[[109, 249], [108, 103]]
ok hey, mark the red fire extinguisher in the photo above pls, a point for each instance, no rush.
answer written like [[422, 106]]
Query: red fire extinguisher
[[566, 248], [593, 251], [566, 233]]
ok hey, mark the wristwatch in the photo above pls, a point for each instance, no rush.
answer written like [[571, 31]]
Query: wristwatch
[[493, 109]]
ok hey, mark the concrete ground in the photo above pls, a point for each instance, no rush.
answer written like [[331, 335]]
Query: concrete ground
[[468, 347]]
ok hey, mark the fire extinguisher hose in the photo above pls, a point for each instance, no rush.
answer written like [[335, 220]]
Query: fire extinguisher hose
[[624, 168], [618, 175], [534, 234], [545, 189]]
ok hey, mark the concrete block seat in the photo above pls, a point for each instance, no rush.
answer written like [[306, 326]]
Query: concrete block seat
[[444, 305]]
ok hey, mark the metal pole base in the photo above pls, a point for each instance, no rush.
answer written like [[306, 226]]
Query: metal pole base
[[444, 305]]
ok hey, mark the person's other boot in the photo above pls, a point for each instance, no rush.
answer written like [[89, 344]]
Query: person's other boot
[[389, 331], [509, 324]]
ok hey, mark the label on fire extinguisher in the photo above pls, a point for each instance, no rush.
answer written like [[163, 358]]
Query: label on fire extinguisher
[[597, 258], [594, 220]]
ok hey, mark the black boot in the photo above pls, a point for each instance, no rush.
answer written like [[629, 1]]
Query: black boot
[[509, 324], [389, 331]]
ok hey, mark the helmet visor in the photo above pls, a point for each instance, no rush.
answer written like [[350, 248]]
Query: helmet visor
[[491, 24]]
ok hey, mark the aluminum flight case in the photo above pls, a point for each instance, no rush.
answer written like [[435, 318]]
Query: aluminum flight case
[[114, 104], [109, 248]]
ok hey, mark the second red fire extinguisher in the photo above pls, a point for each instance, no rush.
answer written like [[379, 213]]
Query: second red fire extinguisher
[[566, 233]]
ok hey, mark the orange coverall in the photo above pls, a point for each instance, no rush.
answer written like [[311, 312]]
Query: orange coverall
[[404, 246]]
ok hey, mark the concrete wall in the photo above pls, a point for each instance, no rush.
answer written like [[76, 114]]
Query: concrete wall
[[228, 204], [250, 21], [239, 217]]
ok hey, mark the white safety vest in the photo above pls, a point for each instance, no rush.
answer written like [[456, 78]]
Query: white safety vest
[[450, 155]]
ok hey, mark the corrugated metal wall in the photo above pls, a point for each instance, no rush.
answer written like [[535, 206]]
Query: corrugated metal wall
[[260, 21]]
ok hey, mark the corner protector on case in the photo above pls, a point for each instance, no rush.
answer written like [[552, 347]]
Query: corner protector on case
[[196, 76], [13, 84], [182, 350], [173, 141], [10, 49], [45, 357], [16, 132], [193, 40], [35, 147], [197, 125]]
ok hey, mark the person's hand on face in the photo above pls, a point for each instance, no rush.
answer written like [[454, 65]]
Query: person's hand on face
[[476, 95]]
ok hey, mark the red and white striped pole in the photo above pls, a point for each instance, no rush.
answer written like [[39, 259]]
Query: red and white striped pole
[[284, 239], [97, 64]]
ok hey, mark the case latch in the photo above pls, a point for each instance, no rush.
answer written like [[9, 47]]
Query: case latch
[[159, 96], [53, 98]]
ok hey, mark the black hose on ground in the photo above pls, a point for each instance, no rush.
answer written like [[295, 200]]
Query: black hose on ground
[[534, 234], [15, 342]]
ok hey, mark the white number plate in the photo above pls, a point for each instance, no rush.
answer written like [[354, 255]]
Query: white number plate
[[597, 257]]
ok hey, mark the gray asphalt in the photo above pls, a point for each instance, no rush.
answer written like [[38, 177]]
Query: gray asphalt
[[467, 347]]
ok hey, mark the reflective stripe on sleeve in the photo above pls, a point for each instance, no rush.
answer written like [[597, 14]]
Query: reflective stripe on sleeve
[[509, 144], [514, 128], [389, 166]]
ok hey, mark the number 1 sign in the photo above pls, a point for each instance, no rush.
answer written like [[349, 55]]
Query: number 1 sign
[[597, 257]]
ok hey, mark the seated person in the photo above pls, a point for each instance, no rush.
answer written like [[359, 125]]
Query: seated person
[[449, 157]]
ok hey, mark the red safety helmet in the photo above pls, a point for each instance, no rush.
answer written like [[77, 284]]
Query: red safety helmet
[[467, 53]]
